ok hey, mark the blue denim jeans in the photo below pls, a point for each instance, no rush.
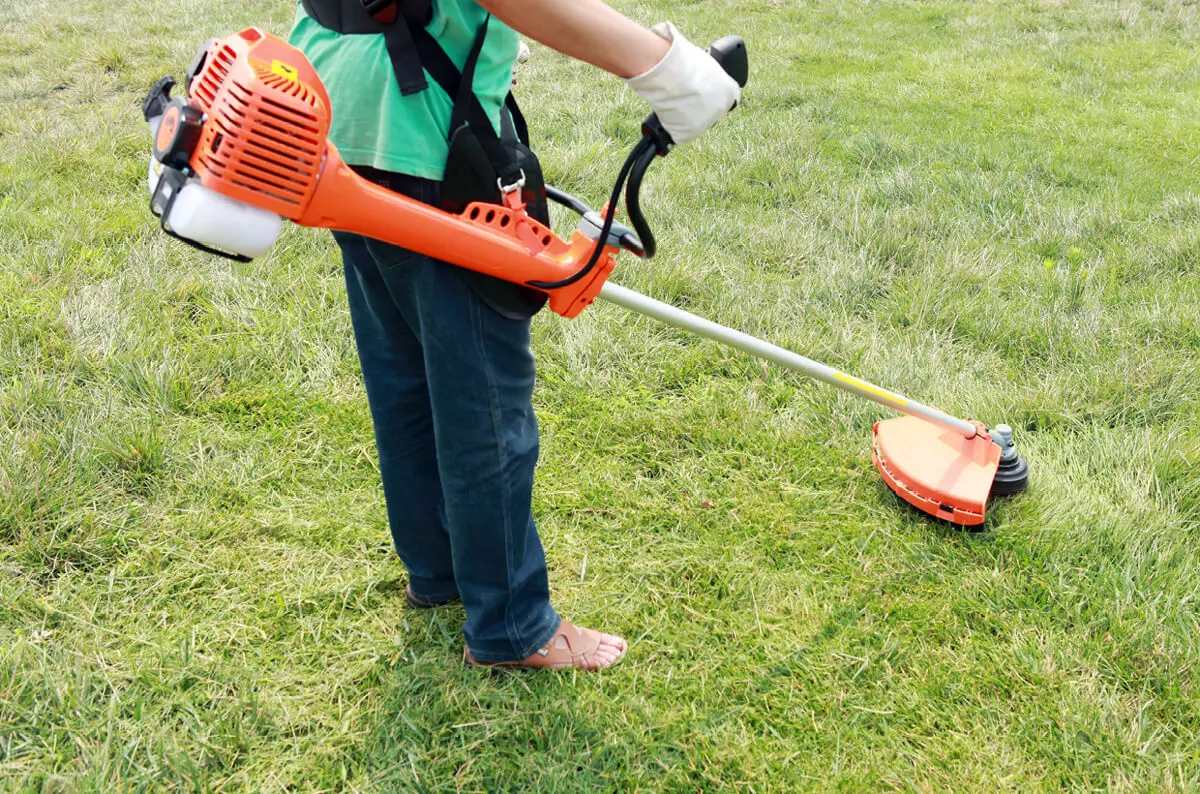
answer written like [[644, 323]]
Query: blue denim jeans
[[449, 382]]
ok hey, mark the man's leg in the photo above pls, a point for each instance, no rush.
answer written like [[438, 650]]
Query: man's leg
[[394, 374], [480, 373]]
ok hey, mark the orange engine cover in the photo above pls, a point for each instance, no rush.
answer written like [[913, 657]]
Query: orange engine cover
[[267, 123]]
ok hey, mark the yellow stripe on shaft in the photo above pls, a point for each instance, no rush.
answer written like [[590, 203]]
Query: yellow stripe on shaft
[[883, 394]]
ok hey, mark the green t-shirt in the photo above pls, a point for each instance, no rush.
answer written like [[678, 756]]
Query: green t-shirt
[[373, 124]]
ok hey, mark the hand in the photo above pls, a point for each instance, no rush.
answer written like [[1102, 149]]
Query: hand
[[688, 89]]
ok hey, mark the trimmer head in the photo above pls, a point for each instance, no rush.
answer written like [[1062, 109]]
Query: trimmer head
[[941, 473]]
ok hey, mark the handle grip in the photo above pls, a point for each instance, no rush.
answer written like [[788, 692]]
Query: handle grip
[[730, 53]]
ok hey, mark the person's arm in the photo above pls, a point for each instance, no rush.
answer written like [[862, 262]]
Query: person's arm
[[587, 30], [686, 88]]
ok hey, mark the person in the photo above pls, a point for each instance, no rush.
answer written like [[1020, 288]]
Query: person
[[447, 367]]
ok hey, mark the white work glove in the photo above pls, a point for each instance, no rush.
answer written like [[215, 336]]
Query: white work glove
[[688, 89]]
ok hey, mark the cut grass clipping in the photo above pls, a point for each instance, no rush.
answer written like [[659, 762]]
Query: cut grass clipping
[[988, 206]]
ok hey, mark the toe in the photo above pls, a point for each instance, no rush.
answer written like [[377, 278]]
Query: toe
[[611, 650]]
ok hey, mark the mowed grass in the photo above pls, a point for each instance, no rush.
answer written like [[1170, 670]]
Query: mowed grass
[[989, 206]]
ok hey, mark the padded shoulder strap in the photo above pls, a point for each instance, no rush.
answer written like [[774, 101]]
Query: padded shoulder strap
[[392, 18], [367, 16]]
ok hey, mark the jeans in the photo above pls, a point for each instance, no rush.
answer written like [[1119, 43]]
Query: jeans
[[449, 382]]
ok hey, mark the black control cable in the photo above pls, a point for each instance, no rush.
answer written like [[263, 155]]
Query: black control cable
[[639, 151], [633, 206]]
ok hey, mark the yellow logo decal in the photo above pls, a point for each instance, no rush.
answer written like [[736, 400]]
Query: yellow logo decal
[[285, 70]]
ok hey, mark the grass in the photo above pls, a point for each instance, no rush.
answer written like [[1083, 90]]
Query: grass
[[990, 206]]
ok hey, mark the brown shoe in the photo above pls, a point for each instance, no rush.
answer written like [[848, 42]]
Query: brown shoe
[[570, 647]]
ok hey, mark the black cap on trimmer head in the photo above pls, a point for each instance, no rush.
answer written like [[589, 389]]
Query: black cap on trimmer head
[[1013, 475]]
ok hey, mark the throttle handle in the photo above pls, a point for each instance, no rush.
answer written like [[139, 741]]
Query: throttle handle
[[730, 53]]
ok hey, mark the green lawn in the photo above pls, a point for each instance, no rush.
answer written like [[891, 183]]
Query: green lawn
[[989, 206]]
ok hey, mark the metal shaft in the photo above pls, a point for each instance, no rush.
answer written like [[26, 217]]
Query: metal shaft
[[635, 301]]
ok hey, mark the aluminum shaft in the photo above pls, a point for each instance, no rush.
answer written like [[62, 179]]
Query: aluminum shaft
[[635, 301]]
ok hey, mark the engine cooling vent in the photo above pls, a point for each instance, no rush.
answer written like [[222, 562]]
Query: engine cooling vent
[[263, 146], [264, 135], [208, 82]]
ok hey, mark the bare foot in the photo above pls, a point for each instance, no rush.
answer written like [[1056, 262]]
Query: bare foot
[[571, 646]]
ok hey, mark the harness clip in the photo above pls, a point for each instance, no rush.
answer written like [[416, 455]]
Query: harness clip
[[506, 189]]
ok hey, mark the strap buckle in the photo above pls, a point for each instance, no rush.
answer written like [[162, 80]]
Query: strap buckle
[[506, 189], [385, 12]]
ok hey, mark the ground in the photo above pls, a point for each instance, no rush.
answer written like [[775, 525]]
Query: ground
[[989, 206]]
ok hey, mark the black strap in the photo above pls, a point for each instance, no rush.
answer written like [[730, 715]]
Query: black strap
[[417, 12], [466, 80], [467, 107], [405, 61], [518, 118]]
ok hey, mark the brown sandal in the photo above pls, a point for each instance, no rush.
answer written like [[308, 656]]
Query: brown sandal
[[570, 647]]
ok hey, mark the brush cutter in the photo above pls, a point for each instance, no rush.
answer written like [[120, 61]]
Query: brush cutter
[[248, 146]]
